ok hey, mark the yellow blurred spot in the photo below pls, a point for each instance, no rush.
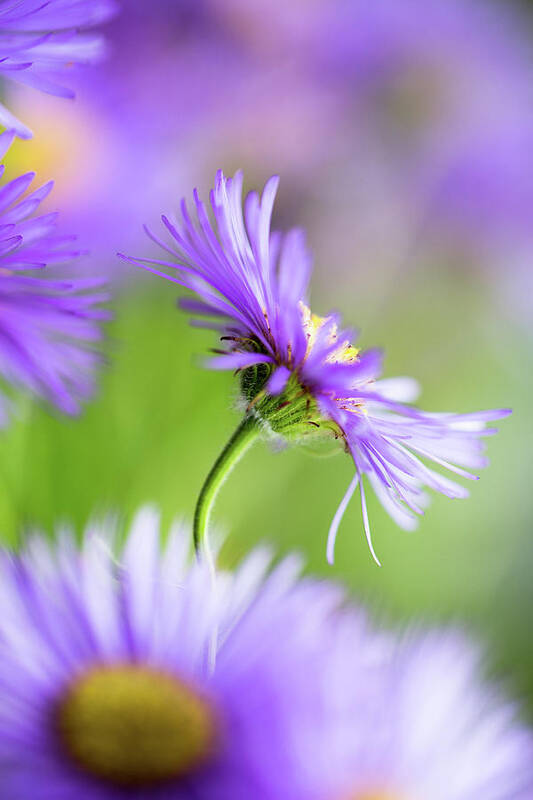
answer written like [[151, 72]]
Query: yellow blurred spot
[[375, 795], [134, 725], [64, 147]]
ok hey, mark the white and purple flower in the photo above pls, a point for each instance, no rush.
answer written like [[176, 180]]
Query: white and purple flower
[[108, 690], [300, 373], [41, 38], [435, 730], [106, 685], [48, 327]]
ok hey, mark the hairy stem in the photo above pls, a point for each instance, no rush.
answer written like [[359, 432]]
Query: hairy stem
[[240, 441]]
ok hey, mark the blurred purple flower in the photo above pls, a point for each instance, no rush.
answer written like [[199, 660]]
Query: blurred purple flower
[[442, 90], [435, 730], [108, 691], [47, 327], [141, 120], [172, 130], [39, 39], [300, 372], [105, 685]]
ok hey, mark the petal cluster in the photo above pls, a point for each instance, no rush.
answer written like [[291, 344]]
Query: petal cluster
[[48, 327], [251, 284], [40, 39]]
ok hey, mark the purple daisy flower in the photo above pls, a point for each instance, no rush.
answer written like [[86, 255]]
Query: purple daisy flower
[[300, 374], [47, 327], [39, 38], [434, 729], [106, 690]]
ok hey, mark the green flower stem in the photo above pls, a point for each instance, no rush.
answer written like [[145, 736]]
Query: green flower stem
[[240, 441]]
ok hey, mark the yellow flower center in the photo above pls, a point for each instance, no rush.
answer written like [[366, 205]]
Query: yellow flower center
[[344, 353], [135, 726]]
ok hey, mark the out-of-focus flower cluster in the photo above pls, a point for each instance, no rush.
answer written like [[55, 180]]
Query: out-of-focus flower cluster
[[48, 326], [123, 674], [413, 122]]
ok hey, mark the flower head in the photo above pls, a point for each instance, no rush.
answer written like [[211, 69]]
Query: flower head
[[48, 327], [105, 686], [39, 39], [435, 729], [107, 690], [300, 373]]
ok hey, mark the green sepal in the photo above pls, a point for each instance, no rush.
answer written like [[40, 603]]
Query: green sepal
[[292, 414]]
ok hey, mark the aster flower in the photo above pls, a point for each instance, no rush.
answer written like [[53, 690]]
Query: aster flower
[[435, 729], [300, 374], [48, 327], [106, 691], [39, 39]]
